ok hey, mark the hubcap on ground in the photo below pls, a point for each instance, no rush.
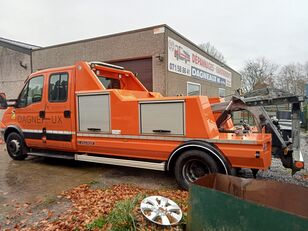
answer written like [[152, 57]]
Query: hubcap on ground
[[161, 210]]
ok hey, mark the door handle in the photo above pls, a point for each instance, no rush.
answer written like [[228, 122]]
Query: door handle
[[42, 114], [94, 129], [161, 131], [67, 114]]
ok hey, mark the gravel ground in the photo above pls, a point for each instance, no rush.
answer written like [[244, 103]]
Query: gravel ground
[[279, 173]]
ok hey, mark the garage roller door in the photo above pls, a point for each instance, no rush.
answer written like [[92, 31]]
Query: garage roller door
[[141, 66]]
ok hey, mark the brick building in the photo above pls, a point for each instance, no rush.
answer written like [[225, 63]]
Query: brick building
[[164, 60]]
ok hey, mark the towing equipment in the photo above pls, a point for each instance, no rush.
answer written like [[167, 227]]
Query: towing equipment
[[98, 112]]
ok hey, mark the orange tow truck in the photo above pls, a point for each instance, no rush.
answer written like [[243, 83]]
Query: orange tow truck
[[98, 112]]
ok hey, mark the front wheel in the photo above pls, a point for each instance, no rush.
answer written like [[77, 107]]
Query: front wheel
[[192, 165], [16, 147]]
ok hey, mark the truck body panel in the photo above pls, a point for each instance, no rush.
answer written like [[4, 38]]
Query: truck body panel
[[104, 111]]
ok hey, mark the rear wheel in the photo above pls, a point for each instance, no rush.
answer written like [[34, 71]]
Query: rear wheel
[[16, 147], [191, 165]]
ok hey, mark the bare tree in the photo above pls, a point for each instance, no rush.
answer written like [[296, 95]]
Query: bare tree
[[258, 73], [306, 69], [292, 78], [213, 51]]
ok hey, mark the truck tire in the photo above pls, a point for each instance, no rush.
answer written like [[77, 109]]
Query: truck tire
[[192, 165], [16, 146]]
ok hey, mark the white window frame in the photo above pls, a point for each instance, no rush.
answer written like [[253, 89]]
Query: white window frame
[[192, 83], [224, 90]]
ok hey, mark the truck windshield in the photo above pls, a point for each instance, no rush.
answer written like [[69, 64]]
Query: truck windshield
[[109, 83]]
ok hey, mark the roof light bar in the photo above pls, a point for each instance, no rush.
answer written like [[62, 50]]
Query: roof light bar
[[106, 65]]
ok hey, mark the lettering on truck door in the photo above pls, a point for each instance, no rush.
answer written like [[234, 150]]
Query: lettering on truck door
[[58, 120], [29, 111]]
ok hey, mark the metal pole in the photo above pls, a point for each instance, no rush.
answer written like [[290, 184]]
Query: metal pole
[[306, 116]]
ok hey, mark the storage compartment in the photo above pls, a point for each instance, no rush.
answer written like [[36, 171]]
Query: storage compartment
[[163, 118], [94, 113]]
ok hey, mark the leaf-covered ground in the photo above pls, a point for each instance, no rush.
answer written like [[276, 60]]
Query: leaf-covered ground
[[90, 208]]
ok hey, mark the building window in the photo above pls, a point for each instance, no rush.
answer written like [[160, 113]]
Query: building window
[[193, 88], [222, 92], [58, 87]]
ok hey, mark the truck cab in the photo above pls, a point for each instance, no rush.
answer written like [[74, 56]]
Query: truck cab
[[98, 112]]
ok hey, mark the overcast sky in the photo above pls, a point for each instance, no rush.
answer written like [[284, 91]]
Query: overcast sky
[[240, 29]]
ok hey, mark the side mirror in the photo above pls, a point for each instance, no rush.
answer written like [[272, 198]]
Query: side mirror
[[3, 102]]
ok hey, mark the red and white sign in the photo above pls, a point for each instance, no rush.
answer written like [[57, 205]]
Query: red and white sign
[[185, 61], [179, 58]]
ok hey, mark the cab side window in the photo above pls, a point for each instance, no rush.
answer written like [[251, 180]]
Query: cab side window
[[58, 87], [32, 92]]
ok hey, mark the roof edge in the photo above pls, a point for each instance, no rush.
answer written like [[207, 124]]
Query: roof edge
[[135, 31], [102, 37], [15, 47], [16, 43]]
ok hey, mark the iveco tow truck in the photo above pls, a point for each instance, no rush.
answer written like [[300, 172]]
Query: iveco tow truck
[[98, 112]]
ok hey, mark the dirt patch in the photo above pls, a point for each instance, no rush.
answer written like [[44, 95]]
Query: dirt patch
[[81, 207], [24, 215]]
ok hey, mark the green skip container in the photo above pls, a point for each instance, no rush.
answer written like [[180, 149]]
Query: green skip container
[[221, 202]]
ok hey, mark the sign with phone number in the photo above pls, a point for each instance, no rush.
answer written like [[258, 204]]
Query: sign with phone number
[[179, 69], [183, 60]]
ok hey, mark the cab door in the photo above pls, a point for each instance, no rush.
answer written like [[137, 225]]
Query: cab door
[[59, 121], [27, 115]]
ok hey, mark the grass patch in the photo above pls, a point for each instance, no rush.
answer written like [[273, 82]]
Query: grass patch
[[93, 182], [120, 218], [97, 223]]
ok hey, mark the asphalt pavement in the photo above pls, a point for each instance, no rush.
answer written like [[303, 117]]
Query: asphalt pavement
[[38, 179]]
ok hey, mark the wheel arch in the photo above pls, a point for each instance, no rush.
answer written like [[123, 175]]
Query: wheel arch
[[10, 129], [206, 147]]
